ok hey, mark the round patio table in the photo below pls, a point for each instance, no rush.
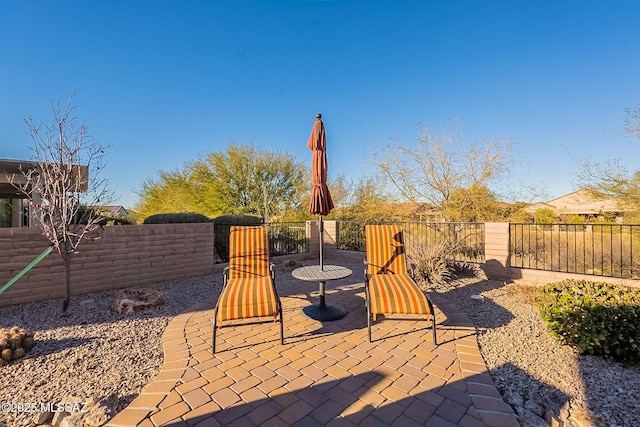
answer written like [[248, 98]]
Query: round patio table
[[315, 273]]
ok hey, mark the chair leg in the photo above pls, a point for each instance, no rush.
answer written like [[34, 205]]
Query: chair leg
[[368, 304], [433, 326], [215, 316], [281, 324]]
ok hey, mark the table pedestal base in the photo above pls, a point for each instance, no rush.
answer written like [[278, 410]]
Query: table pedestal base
[[324, 312]]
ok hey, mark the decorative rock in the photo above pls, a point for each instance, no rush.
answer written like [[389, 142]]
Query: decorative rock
[[58, 417], [130, 300], [43, 418], [535, 408], [529, 419], [290, 265], [580, 417], [72, 421]]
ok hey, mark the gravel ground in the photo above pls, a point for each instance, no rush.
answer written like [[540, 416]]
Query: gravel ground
[[96, 353], [540, 379]]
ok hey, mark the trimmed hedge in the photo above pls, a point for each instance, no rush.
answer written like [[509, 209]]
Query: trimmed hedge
[[116, 220], [222, 227], [176, 218], [597, 318]]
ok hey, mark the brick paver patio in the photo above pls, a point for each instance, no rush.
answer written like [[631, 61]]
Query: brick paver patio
[[325, 374]]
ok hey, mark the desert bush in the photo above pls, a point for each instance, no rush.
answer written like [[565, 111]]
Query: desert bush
[[15, 342], [287, 238], [116, 220], [176, 218], [352, 236], [431, 261], [596, 318], [544, 216], [222, 227]]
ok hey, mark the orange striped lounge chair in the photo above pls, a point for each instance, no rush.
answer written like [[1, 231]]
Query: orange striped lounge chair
[[389, 288], [248, 290]]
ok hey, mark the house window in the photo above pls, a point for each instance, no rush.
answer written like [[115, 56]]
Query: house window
[[14, 213], [5, 213]]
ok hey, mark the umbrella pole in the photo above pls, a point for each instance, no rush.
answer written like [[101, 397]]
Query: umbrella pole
[[321, 229]]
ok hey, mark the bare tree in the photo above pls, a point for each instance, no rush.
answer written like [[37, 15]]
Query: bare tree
[[443, 165], [62, 183], [632, 121], [611, 178]]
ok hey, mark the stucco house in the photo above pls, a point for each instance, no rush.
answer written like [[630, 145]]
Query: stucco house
[[15, 209], [582, 203], [113, 210]]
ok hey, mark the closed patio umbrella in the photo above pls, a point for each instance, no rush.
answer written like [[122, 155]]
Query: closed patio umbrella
[[321, 202]]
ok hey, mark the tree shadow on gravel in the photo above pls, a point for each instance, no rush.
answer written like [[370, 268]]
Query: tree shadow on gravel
[[605, 392], [537, 403], [45, 347], [484, 313]]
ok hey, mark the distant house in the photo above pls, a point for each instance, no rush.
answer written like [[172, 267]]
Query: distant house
[[582, 203], [15, 209], [113, 210]]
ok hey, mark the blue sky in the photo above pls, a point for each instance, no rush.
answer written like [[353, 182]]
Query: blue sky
[[165, 81]]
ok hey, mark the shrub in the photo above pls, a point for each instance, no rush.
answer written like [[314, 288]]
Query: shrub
[[176, 218], [15, 342], [289, 238], [116, 220], [544, 216], [351, 236], [222, 226], [430, 260], [596, 318]]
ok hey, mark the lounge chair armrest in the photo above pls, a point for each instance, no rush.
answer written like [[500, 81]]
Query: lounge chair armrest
[[412, 270], [225, 276]]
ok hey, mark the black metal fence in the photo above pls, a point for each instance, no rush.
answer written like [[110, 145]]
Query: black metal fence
[[465, 241], [285, 238], [598, 249], [602, 250]]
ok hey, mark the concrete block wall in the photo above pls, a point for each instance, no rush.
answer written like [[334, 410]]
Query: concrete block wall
[[542, 277], [330, 238], [496, 250], [123, 256]]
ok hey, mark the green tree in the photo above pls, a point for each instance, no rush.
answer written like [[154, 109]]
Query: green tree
[[611, 178], [362, 202], [472, 204], [544, 216], [341, 190], [239, 180], [632, 121], [516, 212], [171, 192]]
